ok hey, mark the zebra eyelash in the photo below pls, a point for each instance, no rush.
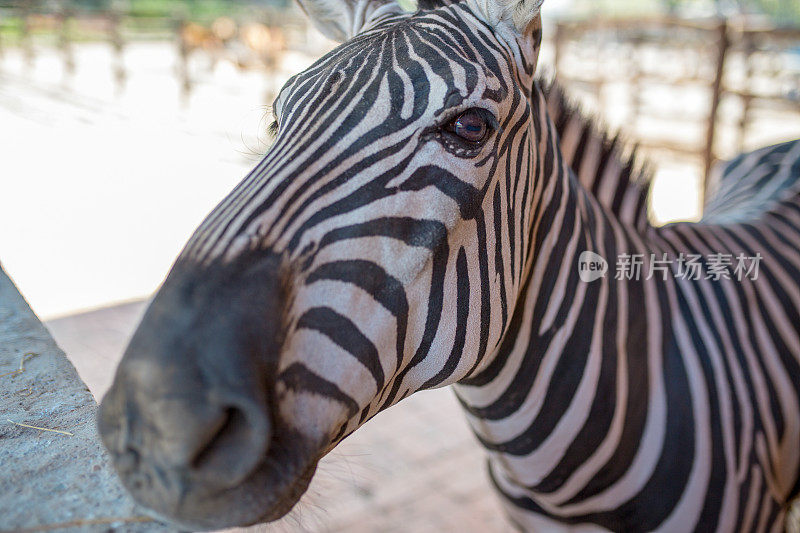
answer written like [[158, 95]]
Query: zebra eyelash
[[451, 114], [273, 127], [455, 144]]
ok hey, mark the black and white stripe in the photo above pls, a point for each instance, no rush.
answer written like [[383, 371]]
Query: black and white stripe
[[415, 263]]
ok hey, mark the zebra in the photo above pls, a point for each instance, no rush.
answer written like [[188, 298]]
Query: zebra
[[415, 224]]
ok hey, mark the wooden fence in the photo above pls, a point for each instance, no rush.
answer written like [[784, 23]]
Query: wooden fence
[[254, 40], [719, 59]]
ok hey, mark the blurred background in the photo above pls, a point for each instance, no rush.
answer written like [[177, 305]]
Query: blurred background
[[123, 122]]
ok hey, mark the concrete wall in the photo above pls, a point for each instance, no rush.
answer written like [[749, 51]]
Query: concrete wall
[[49, 480]]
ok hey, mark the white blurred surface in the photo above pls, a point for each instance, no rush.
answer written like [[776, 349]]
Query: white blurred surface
[[99, 191]]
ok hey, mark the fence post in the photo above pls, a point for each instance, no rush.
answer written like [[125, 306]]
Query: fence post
[[747, 96], [180, 23], [117, 42], [722, 44], [558, 43], [25, 37], [1, 37], [64, 15]]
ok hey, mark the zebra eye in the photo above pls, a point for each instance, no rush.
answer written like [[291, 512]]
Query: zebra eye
[[470, 125]]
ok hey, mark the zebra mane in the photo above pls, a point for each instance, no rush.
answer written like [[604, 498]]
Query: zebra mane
[[615, 175]]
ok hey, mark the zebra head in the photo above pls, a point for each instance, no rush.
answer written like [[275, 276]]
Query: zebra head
[[377, 249]]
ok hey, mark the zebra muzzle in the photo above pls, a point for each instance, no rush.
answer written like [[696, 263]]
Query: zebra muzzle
[[190, 421]]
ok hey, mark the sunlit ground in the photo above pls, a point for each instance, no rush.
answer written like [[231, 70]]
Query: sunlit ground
[[99, 191]]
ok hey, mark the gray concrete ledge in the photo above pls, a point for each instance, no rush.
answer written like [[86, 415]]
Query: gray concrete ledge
[[51, 481]]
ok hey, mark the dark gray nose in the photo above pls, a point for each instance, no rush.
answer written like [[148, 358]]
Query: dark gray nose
[[181, 432], [224, 447], [188, 417]]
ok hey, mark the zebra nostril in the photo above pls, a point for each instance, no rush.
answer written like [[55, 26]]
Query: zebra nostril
[[233, 447], [230, 423]]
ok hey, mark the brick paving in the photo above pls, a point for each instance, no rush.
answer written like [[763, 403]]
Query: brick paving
[[415, 467]]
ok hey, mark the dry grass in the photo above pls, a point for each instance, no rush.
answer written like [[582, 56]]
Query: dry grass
[[21, 369], [67, 433], [115, 524]]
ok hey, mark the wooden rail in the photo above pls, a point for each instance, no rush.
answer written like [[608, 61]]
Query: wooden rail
[[707, 48], [62, 18]]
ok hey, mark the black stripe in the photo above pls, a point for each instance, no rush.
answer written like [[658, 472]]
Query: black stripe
[[298, 378], [373, 279], [462, 315], [346, 335]]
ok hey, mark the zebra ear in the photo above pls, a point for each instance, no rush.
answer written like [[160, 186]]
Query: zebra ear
[[341, 20], [516, 15]]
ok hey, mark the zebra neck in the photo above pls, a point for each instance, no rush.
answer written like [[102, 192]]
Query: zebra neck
[[571, 375]]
